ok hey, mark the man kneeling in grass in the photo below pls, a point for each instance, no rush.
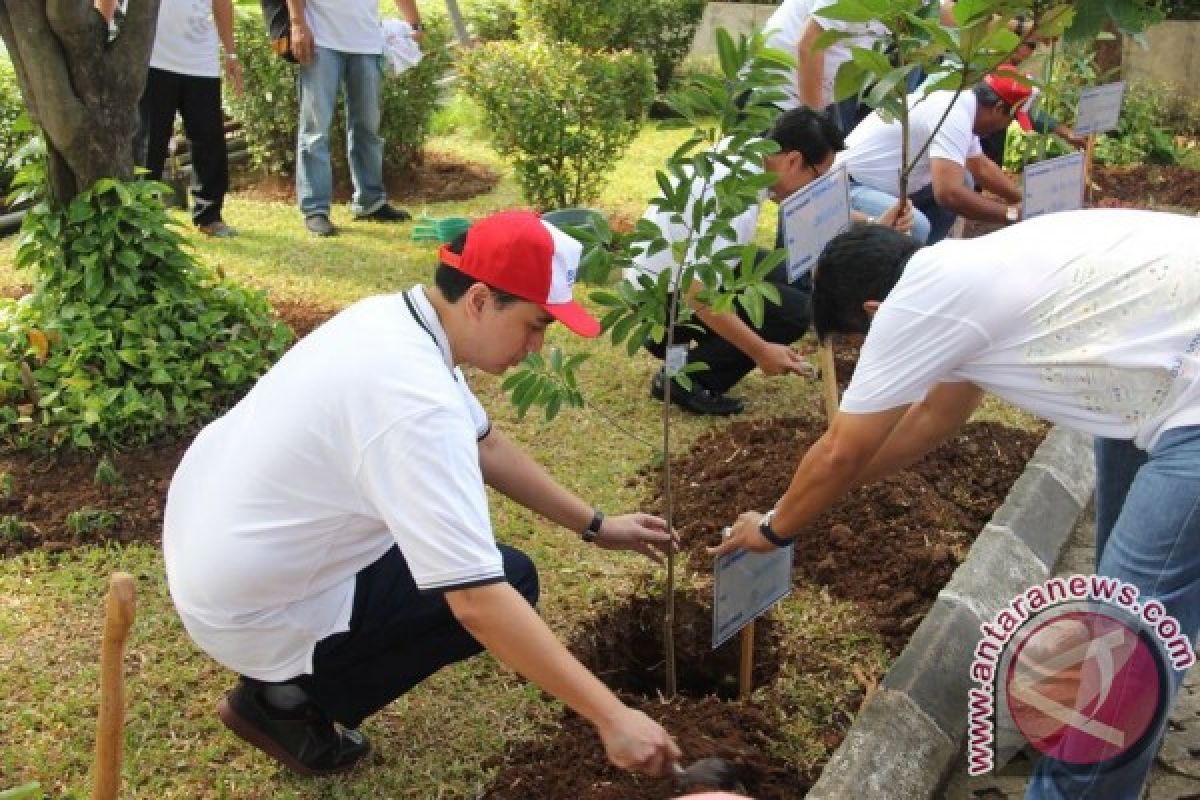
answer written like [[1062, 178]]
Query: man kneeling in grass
[[328, 539]]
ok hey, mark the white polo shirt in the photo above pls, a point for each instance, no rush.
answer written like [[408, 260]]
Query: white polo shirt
[[872, 154], [362, 437], [185, 41], [348, 26], [1090, 319]]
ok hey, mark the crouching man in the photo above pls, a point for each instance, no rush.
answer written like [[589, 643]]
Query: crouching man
[[329, 540]]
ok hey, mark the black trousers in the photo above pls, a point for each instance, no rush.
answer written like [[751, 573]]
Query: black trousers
[[198, 101], [782, 324], [398, 637]]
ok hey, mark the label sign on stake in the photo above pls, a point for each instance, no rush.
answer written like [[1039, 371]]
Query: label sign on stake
[[1053, 185], [1099, 108], [747, 584], [676, 359], [811, 217]]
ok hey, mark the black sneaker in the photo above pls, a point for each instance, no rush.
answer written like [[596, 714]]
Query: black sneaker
[[699, 400], [387, 213], [291, 729], [319, 225]]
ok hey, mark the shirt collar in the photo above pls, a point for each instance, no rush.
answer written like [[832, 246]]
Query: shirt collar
[[426, 316]]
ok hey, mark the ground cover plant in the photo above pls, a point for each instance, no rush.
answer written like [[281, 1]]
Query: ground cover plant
[[460, 735]]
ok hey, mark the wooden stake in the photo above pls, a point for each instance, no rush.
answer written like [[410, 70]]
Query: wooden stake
[[118, 618], [746, 671], [1087, 167], [829, 385]]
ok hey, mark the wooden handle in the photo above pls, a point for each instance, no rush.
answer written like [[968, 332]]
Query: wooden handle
[[118, 618], [828, 379], [746, 670]]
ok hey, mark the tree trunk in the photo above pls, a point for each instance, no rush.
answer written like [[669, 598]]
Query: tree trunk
[[1109, 54], [81, 90]]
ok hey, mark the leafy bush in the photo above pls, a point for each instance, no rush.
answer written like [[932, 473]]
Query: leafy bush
[[124, 337], [12, 135], [13, 528], [1141, 136], [562, 115], [491, 20], [88, 521], [269, 109]]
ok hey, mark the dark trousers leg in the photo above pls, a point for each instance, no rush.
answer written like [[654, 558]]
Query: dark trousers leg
[[398, 637], [204, 125], [941, 220], [782, 324], [156, 118]]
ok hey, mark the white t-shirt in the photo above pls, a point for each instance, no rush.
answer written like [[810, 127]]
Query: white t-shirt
[[186, 41], [838, 53], [348, 26], [1090, 319], [784, 29], [744, 226], [362, 437], [872, 154]]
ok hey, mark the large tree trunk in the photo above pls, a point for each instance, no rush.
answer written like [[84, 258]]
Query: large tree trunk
[[81, 90]]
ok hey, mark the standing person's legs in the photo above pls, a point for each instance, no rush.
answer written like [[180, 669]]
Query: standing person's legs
[[364, 145], [941, 220], [156, 119], [204, 124], [1152, 543], [873, 203], [318, 83]]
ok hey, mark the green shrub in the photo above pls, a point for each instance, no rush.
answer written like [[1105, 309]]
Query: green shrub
[[13, 528], [107, 474], [125, 336], [491, 20], [89, 521], [563, 115], [660, 29], [12, 135], [1141, 136], [269, 108]]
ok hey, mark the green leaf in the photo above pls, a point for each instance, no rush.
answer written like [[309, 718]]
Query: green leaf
[[850, 81], [727, 54], [848, 11]]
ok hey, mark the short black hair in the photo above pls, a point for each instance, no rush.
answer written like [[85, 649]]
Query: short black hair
[[986, 96], [813, 134], [454, 283], [861, 264]]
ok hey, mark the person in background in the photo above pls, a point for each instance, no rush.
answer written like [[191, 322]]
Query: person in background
[[193, 45]]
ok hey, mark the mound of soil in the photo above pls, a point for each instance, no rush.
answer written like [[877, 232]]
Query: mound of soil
[[41, 492], [439, 177], [890, 546], [1146, 185]]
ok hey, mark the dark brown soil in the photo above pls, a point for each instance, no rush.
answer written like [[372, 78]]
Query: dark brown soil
[[438, 178], [40, 492], [1148, 186]]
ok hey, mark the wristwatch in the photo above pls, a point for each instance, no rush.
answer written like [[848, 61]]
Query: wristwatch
[[1012, 214], [590, 533], [764, 527]]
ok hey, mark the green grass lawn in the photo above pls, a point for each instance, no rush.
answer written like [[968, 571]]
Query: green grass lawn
[[434, 742]]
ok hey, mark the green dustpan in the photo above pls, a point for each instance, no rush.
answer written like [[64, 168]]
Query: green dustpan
[[446, 230]]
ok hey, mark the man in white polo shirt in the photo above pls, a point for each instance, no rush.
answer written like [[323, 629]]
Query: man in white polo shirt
[[1090, 319], [943, 147], [328, 539]]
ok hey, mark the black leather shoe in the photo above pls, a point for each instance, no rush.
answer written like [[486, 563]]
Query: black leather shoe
[[291, 729], [319, 225], [699, 400], [386, 213]]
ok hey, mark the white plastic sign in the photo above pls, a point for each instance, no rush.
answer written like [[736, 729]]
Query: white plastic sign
[[676, 358], [1099, 108], [747, 584], [1053, 185], [811, 217]]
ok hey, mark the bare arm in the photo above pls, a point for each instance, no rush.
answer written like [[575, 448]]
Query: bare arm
[[500, 619], [223, 18], [302, 36], [408, 10], [810, 67], [995, 180], [951, 192], [509, 470]]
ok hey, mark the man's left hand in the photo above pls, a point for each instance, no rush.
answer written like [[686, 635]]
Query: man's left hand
[[233, 74], [641, 533], [743, 535]]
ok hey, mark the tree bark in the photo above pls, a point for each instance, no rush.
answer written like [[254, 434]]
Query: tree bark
[[1109, 54], [81, 90]]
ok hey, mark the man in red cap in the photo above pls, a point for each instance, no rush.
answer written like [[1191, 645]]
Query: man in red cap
[[944, 149], [329, 540]]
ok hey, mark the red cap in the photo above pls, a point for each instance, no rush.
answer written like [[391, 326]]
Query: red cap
[[519, 253], [1012, 90]]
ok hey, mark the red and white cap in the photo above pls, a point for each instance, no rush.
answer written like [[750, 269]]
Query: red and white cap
[[519, 253], [1017, 93]]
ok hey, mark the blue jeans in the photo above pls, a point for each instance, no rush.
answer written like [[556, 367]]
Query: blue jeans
[[874, 202], [319, 81], [1148, 535]]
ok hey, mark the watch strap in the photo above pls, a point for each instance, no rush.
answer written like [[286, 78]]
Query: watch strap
[[592, 530], [764, 527]]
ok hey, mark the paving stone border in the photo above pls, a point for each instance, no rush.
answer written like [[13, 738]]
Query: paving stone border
[[907, 736]]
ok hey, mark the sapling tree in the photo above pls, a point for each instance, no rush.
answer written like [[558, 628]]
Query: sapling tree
[[708, 181]]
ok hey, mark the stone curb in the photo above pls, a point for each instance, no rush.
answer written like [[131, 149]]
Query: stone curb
[[907, 736]]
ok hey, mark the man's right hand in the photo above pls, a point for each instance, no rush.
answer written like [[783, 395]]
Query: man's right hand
[[637, 743], [779, 359], [899, 216], [302, 41]]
